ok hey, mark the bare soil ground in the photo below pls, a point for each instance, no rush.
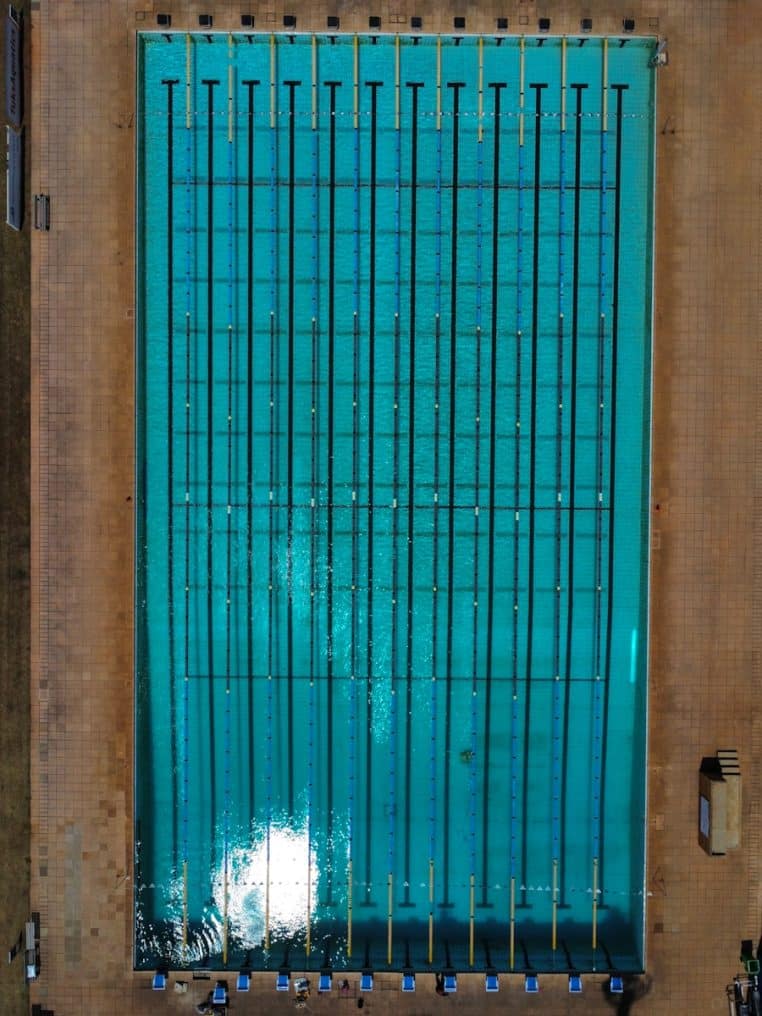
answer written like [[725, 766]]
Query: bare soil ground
[[14, 588]]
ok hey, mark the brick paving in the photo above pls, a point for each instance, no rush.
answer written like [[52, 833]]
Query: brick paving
[[706, 609]]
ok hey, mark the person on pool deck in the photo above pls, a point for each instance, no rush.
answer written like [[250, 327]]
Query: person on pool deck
[[208, 1008], [440, 985], [344, 987]]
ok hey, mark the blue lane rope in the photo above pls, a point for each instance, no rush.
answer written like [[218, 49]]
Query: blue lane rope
[[271, 508], [273, 217], [603, 226], [438, 228], [355, 508], [315, 249], [171, 372], [314, 664], [515, 724], [562, 223], [435, 554], [599, 505], [310, 779], [356, 220], [477, 482], [397, 220], [189, 233], [557, 686], [314, 657], [433, 764], [479, 229], [394, 704], [229, 583]]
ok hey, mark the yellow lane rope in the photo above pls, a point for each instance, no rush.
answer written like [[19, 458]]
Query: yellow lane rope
[[595, 903], [397, 84], [439, 82], [230, 89], [521, 92], [185, 907], [188, 81], [431, 911], [480, 129], [349, 907], [605, 83], [314, 82], [471, 921], [356, 72], [389, 884], [512, 947], [563, 84], [272, 80]]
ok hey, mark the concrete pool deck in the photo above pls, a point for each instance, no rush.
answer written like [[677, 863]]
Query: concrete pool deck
[[706, 611]]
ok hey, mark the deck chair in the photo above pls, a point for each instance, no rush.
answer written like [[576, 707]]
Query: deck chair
[[575, 984], [491, 981], [243, 982], [324, 982], [531, 984], [616, 985], [366, 980], [408, 981], [450, 982], [282, 982]]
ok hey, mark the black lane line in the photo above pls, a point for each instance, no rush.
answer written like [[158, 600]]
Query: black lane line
[[313, 494], [394, 663], [413, 86], [355, 500], [435, 521], [186, 661], [210, 83], [475, 614], [532, 456], [456, 87], [435, 552], [355, 513], [619, 89], [250, 85], [374, 86], [572, 460], [170, 82], [533, 408], [291, 85], [228, 557], [497, 85], [332, 85], [517, 476], [598, 567], [313, 547], [270, 520], [186, 664]]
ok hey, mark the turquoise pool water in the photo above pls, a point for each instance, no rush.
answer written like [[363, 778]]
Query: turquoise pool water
[[393, 374]]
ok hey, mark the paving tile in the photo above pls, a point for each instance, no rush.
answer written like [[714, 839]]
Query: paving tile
[[706, 617]]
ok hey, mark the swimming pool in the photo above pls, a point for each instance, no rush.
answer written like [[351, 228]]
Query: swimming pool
[[393, 376]]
